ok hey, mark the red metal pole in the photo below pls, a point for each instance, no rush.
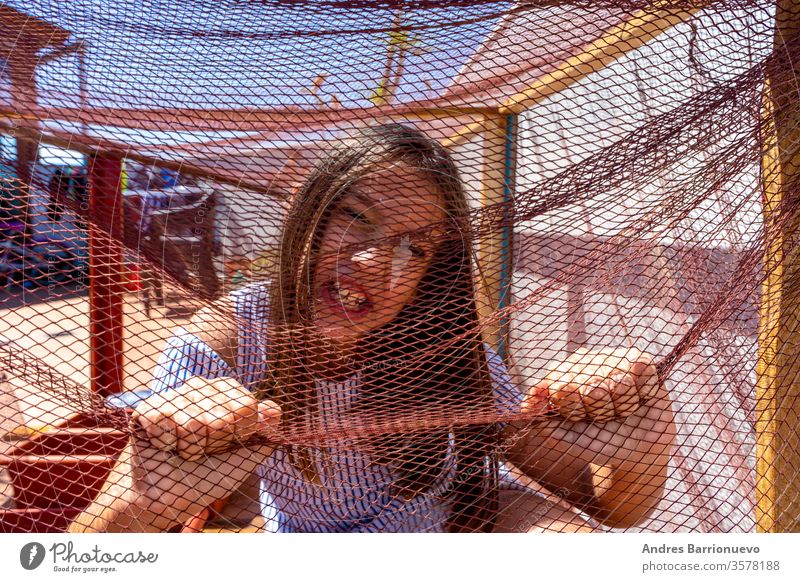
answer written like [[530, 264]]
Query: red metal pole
[[105, 273]]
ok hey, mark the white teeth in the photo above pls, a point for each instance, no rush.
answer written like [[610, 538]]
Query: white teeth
[[350, 298]]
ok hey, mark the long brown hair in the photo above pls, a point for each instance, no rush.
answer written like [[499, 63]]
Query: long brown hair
[[442, 318]]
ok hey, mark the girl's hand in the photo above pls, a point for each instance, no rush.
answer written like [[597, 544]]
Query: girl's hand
[[643, 437], [611, 446], [620, 412], [596, 386], [204, 417], [183, 456]]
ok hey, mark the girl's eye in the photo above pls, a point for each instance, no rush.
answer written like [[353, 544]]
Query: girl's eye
[[417, 251], [354, 215]]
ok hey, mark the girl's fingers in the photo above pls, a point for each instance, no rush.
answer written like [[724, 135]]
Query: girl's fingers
[[641, 367], [192, 430], [596, 385], [537, 399], [164, 434], [597, 400], [269, 418], [234, 412], [566, 398], [647, 382], [155, 417], [246, 423], [624, 394], [205, 417], [220, 423]]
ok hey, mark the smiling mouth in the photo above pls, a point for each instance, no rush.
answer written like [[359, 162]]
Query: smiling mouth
[[347, 298]]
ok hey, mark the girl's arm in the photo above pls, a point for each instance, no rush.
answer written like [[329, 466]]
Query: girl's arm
[[179, 458], [611, 458], [113, 509], [120, 506], [215, 325]]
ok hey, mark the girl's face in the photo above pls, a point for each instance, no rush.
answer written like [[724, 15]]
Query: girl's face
[[360, 282]]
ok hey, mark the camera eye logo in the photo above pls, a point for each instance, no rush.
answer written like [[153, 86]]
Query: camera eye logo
[[31, 555]]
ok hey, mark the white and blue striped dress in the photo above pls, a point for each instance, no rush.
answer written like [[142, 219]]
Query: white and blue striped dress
[[354, 493]]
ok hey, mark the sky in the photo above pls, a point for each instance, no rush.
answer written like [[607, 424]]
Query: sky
[[234, 54], [225, 53]]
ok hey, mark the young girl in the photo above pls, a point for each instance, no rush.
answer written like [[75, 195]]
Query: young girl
[[363, 357]]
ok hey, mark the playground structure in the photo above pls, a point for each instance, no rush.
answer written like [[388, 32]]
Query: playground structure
[[546, 286]]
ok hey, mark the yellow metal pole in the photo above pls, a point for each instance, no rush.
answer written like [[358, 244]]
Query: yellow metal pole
[[490, 243], [467, 131], [778, 386]]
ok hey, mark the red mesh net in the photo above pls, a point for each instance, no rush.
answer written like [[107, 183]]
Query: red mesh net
[[399, 266]]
